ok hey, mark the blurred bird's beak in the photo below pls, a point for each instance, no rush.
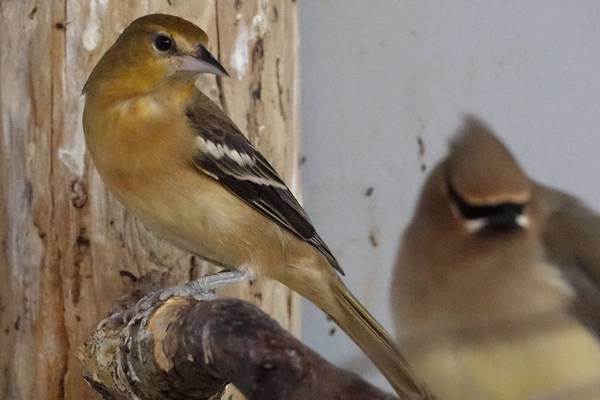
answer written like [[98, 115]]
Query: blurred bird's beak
[[201, 61]]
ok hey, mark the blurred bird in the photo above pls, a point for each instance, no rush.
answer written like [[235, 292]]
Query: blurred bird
[[496, 291], [180, 165]]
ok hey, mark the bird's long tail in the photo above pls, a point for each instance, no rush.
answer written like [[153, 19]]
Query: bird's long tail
[[372, 338]]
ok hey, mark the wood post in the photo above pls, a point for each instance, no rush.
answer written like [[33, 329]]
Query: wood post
[[68, 248]]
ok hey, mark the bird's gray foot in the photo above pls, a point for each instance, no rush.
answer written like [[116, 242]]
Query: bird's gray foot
[[199, 289], [203, 287]]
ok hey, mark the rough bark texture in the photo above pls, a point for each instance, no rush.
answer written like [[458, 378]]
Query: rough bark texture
[[68, 248], [177, 344]]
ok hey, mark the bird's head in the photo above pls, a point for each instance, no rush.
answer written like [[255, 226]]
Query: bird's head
[[486, 187], [152, 50]]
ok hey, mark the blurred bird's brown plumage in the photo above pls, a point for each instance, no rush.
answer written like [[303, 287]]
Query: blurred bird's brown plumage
[[180, 165], [496, 291]]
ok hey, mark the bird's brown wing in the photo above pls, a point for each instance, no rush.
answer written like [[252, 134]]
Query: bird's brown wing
[[225, 154], [572, 242]]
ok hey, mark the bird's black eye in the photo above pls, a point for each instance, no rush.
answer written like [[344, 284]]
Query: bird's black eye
[[163, 43]]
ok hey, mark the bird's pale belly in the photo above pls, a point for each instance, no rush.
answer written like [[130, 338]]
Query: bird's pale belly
[[208, 223], [563, 364]]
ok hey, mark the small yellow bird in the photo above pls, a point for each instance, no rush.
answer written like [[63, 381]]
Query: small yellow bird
[[496, 291], [181, 166]]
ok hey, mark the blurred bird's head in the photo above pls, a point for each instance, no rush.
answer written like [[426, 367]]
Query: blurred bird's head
[[486, 187], [152, 50]]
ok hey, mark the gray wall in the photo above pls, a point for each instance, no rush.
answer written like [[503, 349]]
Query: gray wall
[[377, 76]]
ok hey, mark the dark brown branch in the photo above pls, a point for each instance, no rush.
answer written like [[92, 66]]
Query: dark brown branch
[[173, 346]]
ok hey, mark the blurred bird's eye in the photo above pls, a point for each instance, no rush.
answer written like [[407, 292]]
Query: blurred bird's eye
[[163, 43]]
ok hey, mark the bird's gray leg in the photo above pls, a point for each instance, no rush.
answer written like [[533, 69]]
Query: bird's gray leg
[[199, 289], [203, 287]]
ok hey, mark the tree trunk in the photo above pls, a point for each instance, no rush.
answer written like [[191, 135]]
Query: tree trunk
[[68, 248]]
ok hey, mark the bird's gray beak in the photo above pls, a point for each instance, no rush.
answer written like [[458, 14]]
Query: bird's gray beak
[[201, 61]]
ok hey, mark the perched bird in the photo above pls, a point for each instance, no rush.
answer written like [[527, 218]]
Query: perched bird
[[180, 165], [496, 290]]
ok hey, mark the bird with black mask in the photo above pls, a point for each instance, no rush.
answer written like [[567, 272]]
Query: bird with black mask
[[496, 290]]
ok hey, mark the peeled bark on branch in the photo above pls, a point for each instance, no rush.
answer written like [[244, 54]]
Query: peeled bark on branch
[[177, 346]]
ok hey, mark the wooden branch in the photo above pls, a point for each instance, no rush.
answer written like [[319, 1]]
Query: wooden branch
[[171, 345]]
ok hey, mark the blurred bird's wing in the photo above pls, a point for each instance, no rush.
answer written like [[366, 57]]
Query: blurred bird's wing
[[571, 238], [223, 153]]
